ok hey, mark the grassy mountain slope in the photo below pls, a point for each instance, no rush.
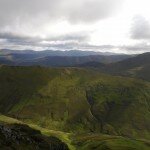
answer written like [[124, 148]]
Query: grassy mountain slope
[[76, 100], [107, 142]]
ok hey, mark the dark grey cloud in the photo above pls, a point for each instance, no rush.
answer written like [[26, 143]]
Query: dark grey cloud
[[17, 39], [81, 36], [140, 28], [66, 42]]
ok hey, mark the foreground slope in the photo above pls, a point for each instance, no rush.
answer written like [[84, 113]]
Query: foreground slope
[[76, 100], [58, 135]]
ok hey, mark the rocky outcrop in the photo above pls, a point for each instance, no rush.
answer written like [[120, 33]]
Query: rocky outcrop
[[16, 137]]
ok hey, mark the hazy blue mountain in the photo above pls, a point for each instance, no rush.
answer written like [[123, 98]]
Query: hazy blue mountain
[[56, 58]]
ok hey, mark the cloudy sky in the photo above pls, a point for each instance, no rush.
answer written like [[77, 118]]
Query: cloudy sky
[[121, 26]]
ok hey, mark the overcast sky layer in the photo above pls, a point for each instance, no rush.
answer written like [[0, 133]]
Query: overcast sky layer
[[120, 26]]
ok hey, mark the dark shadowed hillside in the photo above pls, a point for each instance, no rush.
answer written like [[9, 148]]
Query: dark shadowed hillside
[[137, 66]]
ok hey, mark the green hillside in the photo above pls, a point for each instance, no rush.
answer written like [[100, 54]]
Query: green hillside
[[76, 100]]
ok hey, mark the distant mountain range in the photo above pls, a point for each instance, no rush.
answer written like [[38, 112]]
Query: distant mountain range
[[57, 58]]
